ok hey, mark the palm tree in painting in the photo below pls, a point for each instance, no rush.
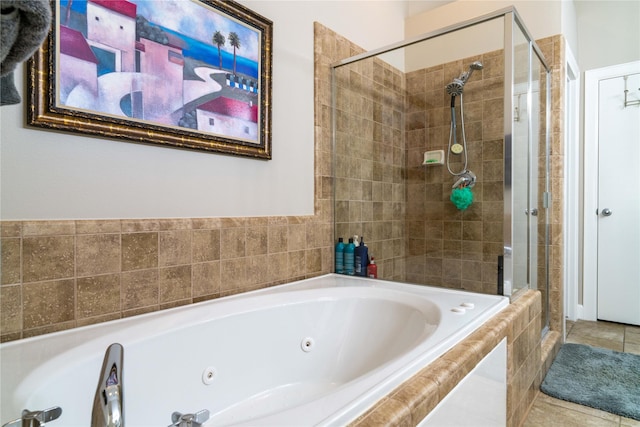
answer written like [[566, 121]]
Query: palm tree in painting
[[66, 22], [234, 41], [219, 40]]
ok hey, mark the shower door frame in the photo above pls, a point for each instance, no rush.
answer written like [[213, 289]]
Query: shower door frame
[[512, 21]]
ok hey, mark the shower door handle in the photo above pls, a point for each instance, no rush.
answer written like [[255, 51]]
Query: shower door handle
[[606, 212]]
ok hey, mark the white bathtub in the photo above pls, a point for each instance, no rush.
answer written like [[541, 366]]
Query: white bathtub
[[315, 352]]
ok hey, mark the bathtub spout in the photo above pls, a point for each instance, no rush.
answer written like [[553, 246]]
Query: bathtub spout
[[108, 403]]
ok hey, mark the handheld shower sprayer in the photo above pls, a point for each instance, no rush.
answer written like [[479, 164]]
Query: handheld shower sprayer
[[476, 65], [455, 88]]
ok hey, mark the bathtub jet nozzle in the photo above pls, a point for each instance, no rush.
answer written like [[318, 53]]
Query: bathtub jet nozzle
[[108, 402]]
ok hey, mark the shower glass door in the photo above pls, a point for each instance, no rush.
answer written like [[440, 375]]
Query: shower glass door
[[529, 168], [391, 115], [540, 110], [522, 166]]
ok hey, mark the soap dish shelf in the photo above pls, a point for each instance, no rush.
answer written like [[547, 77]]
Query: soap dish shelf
[[434, 157]]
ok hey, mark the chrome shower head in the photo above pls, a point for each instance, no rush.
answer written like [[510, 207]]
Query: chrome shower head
[[456, 86]]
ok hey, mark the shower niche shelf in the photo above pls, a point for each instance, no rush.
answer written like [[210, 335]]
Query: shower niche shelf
[[434, 157]]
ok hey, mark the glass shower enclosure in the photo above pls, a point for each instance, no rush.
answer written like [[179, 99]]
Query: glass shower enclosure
[[441, 157]]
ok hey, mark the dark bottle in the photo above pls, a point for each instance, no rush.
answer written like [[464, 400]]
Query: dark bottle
[[361, 259]]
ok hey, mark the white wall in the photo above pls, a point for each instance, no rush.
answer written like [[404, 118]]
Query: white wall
[[599, 32], [609, 33], [569, 24], [542, 18], [50, 175]]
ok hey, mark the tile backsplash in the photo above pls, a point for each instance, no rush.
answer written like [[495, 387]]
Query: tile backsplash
[[58, 275]]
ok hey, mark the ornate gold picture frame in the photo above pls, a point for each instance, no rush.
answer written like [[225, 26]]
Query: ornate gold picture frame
[[193, 74]]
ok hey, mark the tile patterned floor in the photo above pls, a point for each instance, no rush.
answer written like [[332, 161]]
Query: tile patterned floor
[[549, 412]]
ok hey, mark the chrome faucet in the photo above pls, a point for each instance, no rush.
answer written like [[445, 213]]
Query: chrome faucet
[[108, 403], [189, 420], [466, 179], [35, 418]]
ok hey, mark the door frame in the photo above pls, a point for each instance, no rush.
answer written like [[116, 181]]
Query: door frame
[[571, 186], [591, 104]]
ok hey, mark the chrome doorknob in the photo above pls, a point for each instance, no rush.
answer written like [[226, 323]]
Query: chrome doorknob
[[606, 212]]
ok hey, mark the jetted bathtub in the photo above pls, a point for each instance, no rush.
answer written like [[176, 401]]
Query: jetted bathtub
[[319, 351]]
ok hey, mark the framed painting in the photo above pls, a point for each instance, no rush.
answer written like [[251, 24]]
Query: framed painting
[[193, 74]]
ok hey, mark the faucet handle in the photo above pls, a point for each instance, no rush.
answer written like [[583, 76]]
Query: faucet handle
[[189, 420], [35, 418]]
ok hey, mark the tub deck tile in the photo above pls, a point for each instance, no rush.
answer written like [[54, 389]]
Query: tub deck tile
[[388, 412], [422, 393]]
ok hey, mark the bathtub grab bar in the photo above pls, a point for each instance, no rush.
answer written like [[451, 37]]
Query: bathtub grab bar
[[189, 420], [108, 402], [35, 418]]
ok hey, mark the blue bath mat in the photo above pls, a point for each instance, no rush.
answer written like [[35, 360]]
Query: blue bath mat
[[599, 378]]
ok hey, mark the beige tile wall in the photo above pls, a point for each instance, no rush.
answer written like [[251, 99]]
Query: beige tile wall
[[446, 246], [553, 50], [58, 275], [370, 161]]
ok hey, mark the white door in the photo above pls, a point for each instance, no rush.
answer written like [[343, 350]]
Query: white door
[[618, 199]]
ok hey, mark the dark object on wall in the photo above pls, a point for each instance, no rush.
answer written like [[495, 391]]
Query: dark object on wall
[[24, 24], [127, 71], [500, 275]]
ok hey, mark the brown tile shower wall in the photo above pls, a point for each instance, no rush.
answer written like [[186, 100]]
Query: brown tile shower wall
[[445, 246], [553, 50], [459, 249], [370, 159], [59, 275]]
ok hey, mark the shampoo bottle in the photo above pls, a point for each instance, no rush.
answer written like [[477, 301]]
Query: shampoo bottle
[[340, 256], [349, 251], [372, 269], [361, 258]]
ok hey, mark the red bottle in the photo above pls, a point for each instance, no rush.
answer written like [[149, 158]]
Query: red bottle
[[372, 269]]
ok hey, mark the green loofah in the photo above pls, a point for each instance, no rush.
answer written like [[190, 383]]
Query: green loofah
[[462, 197]]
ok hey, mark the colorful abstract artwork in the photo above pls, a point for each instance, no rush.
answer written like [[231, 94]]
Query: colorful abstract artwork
[[189, 73]]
